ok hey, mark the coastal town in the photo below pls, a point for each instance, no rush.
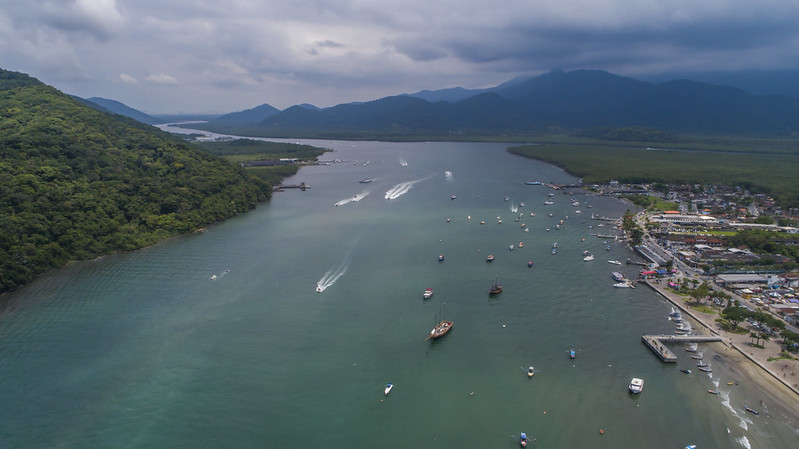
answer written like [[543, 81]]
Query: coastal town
[[726, 259]]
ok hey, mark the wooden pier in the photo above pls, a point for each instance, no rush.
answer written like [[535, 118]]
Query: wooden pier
[[657, 343]]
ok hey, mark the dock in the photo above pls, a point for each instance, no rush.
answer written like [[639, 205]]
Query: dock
[[657, 343], [302, 186]]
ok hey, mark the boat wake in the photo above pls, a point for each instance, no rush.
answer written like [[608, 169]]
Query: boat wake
[[357, 197], [403, 162], [448, 176], [743, 441], [332, 276], [220, 275], [725, 401], [514, 208], [400, 189]]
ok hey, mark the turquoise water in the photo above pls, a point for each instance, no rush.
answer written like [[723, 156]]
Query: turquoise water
[[145, 349]]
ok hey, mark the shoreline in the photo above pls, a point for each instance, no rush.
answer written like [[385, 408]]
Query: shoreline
[[778, 387]]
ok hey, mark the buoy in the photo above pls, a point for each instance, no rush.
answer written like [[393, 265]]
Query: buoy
[[601, 431]]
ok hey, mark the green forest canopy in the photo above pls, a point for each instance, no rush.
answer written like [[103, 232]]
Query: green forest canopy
[[76, 183]]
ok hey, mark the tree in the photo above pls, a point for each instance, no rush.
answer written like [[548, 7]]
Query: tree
[[734, 315]]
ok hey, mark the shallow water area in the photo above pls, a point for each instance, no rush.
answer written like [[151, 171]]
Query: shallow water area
[[282, 326]]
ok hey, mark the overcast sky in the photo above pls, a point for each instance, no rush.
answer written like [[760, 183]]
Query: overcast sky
[[168, 56]]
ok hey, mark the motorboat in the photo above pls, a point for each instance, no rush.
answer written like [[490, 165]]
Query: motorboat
[[588, 258], [428, 292], [530, 371], [523, 439], [510, 247], [548, 203], [697, 356], [624, 284], [685, 371], [751, 410], [441, 258], [702, 365], [614, 262], [533, 183], [521, 244], [636, 385], [453, 197], [713, 391], [675, 313], [706, 370], [388, 389], [691, 347], [529, 263], [571, 354], [365, 181], [617, 276], [490, 258]]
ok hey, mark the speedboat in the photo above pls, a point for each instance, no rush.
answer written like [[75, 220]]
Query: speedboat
[[441, 258], [388, 389], [636, 385], [530, 371], [702, 365], [318, 289], [588, 258], [549, 203], [712, 391], [428, 292], [523, 439], [614, 262]]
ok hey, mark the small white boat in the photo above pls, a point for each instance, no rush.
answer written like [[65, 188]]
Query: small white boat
[[691, 347], [622, 285], [636, 385], [614, 262], [530, 371], [549, 203], [588, 258], [388, 389], [428, 292], [510, 247]]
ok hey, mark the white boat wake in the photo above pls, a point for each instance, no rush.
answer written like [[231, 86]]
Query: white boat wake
[[403, 162], [448, 176], [400, 189], [357, 197], [332, 276], [514, 208]]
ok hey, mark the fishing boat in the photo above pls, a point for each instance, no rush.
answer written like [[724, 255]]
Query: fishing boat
[[636, 385], [496, 287], [530, 371], [751, 410], [388, 388], [685, 371], [441, 258], [428, 292], [490, 258], [571, 354], [713, 391], [618, 277], [523, 439]]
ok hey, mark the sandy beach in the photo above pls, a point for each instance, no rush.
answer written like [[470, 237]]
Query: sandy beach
[[776, 382]]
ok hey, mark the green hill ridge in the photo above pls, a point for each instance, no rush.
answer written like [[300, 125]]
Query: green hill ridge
[[76, 183]]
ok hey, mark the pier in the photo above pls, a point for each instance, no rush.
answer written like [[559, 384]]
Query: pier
[[657, 343], [302, 186]]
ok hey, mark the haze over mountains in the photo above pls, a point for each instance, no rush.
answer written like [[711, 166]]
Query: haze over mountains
[[555, 101]]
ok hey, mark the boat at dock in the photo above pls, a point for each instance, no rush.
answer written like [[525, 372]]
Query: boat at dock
[[691, 347], [496, 288], [618, 277], [636, 385], [697, 356], [623, 284], [428, 292]]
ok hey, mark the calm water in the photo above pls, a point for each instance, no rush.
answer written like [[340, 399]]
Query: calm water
[[146, 350]]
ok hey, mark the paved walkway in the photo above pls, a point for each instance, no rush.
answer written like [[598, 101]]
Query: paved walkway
[[785, 371]]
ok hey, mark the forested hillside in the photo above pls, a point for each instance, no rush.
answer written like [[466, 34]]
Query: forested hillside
[[76, 183]]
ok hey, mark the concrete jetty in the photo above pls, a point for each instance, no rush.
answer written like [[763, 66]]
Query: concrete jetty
[[657, 343]]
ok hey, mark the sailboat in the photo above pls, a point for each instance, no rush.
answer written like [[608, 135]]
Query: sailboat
[[440, 329], [496, 287]]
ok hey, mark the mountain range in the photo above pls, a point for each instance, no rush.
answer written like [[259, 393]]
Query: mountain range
[[558, 100]]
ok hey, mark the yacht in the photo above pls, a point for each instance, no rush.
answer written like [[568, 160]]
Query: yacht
[[636, 385]]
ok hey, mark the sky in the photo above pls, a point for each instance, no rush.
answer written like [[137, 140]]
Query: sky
[[217, 56]]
